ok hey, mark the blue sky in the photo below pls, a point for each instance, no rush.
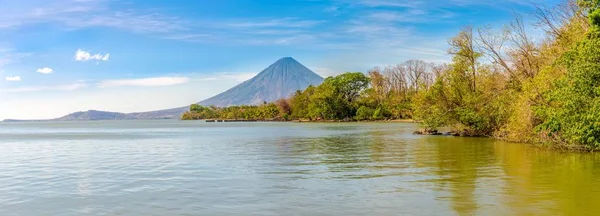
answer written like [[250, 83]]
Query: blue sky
[[62, 56]]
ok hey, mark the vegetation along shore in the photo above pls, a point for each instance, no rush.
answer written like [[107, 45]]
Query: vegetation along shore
[[500, 83]]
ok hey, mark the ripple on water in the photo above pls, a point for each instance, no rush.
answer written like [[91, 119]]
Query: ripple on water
[[191, 168]]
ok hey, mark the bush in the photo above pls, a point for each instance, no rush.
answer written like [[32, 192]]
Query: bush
[[364, 113]]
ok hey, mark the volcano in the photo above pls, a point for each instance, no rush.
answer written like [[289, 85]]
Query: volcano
[[280, 80]]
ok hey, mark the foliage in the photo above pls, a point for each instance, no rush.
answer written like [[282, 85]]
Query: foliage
[[335, 99], [595, 17], [574, 113], [364, 113], [462, 96], [268, 111]]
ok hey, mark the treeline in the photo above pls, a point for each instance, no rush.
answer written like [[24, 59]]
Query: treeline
[[499, 84], [382, 94], [264, 112]]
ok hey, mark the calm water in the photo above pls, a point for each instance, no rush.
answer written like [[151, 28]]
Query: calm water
[[196, 168]]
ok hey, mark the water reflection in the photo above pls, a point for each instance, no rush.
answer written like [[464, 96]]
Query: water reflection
[[458, 165], [172, 168], [541, 181], [473, 176]]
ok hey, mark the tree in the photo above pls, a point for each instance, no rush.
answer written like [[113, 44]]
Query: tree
[[379, 85], [300, 102], [284, 106], [574, 113], [463, 49], [417, 71], [364, 113], [466, 95]]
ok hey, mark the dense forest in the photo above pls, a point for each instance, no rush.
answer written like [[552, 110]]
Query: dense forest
[[500, 83]]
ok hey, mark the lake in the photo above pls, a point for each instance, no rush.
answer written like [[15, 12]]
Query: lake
[[195, 168]]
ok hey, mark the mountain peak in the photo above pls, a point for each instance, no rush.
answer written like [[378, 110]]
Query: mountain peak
[[287, 59], [280, 80]]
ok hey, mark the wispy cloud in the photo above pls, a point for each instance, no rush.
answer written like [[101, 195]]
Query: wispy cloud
[[82, 55], [391, 3], [129, 21], [71, 87], [333, 10], [240, 77], [436, 4], [282, 40], [379, 32], [77, 14], [279, 23], [144, 82], [8, 56], [45, 70], [13, 78], [414, 15], [326, 72], [68, 87], [191, 37]]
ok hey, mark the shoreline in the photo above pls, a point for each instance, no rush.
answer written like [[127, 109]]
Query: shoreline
[[300, 121]]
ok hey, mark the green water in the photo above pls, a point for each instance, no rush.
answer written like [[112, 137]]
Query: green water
[[195, 168]]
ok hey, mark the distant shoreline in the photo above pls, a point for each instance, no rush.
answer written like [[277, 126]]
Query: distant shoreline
[[302, 121], [215, 120]]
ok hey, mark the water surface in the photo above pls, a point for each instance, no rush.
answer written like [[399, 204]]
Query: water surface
[[195, 168]]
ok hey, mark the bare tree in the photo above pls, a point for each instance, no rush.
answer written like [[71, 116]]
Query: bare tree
[[553, 19], [493, 45], [464, 47], [397, 78], [379, 84], [417, 70], [524, 52]]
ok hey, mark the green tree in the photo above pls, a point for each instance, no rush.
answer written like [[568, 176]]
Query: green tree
[[464, 95], [574, 113], [364, 113]]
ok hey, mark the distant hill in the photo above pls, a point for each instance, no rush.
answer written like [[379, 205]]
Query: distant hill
[[280, 80], [92, 115]]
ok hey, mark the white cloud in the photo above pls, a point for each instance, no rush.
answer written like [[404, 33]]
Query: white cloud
[[154, 81], [45, 70], [82, 55], [13, 78]]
